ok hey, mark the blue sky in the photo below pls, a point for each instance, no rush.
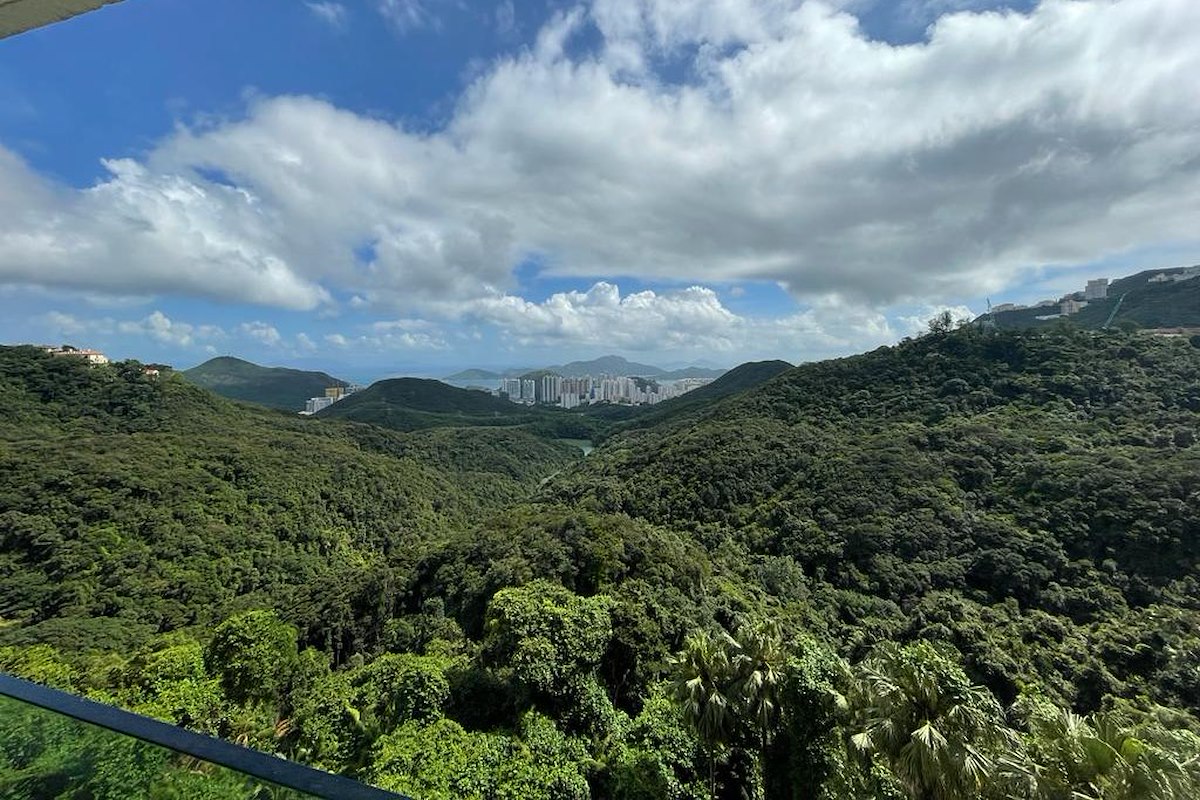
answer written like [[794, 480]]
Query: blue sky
[[416, 186]]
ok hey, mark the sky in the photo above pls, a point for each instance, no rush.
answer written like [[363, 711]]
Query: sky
[[417, 186]]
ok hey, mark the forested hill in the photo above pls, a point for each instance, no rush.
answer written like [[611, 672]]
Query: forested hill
[[420, 394], [275, 387], [411, 404], [1032, 498], [132, 505], [739, 379], [963, 567]]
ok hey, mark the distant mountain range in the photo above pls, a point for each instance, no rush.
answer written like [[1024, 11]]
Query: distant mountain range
[[604, 365], [275, 387], [1146, 304]]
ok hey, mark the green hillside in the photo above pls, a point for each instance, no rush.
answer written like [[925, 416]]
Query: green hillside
[[976, 553], [690, 372], [1145, 305], [739, 379], [275, 387], [133, 506], [967, 487], [411, 404]]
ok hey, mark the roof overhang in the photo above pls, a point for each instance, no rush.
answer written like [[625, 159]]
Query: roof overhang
[[18, 16]]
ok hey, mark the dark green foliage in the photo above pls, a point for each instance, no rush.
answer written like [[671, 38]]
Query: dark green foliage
[[1042, 469], [130, 506], [275, 387], [419, 394], [739, 379], [967, 535], [413, 404]]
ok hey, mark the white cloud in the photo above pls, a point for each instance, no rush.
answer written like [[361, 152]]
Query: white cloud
[[65, 324], [304, 342], [407, 15], [332, 14], [692, 317], [337, 340], [262, 332], [689, 320], [140, 232], [855, 173], [156, 325], [162, 328]]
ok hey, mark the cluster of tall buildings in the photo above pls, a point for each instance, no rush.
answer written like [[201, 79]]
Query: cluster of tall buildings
[[572, 392], [332, 395]]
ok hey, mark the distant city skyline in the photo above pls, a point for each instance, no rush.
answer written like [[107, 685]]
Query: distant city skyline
[[416, 188]]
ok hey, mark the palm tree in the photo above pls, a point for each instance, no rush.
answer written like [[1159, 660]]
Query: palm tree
[[758, 660], [1102, 757], [702, 687], [914, 708], [728, 688]]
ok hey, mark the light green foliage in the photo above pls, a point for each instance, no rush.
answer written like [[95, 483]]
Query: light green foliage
[[254, 656], [914, 709], [172, 684], [40, 663], [1103, 756], [441, 761], [546, 637], [394, 689]]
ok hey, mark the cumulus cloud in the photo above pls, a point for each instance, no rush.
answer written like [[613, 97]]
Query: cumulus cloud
[[156, 325], [798, 150], [141, 231], [262, 332], [641, 320], [162, 328], [691, 319]]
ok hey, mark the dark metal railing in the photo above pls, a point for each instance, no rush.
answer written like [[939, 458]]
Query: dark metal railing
[[262, 766]]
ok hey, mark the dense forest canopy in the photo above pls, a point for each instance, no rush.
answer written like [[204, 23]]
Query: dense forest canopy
[[965, 566]]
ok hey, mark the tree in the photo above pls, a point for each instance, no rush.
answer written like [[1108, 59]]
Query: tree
[[1102, 756], [728, 688], [942, 323], [913, 708], [254, 655], [702, 686]]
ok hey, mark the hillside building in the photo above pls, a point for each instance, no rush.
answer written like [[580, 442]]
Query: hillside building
[[1185, 274], [91, 356], [1096, 289]]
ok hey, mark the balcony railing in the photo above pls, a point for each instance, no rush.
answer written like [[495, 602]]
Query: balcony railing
[[54, 744]]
